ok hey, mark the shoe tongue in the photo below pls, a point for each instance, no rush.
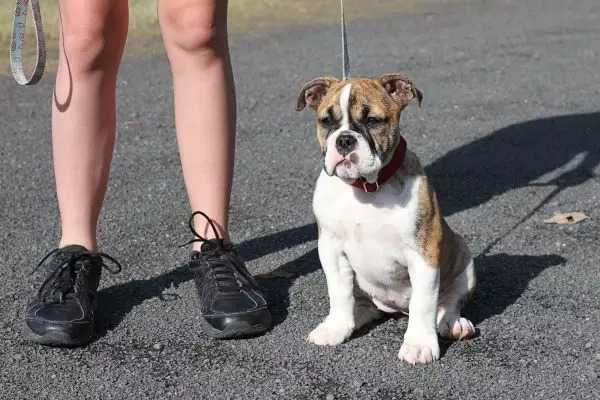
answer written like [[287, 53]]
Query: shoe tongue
[[212, 244], [65, 253]]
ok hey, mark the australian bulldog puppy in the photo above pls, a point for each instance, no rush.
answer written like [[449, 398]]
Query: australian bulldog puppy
[[382, 238]]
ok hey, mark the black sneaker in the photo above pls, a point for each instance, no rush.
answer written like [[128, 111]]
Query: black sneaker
[[231, 303], [62, 312]]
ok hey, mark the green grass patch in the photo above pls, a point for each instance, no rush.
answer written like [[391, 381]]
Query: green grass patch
[[244, 16]]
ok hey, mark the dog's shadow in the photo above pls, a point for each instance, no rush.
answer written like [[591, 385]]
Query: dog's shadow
[[501, 280], [513, 157]]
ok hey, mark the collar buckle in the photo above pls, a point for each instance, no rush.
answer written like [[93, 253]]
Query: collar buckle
[[365, 183]]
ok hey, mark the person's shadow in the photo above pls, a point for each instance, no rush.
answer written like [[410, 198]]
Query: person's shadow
[[517, 156], [513, 157]]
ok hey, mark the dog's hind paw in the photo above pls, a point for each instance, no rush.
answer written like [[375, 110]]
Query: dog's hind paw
[[461, 329]]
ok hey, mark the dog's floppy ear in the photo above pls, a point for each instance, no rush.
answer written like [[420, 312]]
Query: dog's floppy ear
[[402, 90], [313, 92]]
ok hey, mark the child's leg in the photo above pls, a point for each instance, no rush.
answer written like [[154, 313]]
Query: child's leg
[[195, 36], [83, 111], [93, 33]]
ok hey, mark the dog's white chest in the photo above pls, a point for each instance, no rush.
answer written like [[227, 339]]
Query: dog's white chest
[[373, 230]]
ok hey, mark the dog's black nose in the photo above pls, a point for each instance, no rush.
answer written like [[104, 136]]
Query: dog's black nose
[[345, 144]]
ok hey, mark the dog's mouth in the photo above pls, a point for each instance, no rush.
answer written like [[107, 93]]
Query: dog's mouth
[[349, 161], [332, 161], [343, 166]]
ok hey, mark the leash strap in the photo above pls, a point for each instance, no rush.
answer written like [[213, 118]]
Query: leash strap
[[346, 60], [18, 41]]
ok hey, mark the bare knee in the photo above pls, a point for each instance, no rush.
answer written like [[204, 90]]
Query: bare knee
[[194, 28], [93, 45]]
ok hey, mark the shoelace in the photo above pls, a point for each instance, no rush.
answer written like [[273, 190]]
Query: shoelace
[[63, 286], [220, 263]]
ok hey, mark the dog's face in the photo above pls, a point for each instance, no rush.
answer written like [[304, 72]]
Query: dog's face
[[358, 121]]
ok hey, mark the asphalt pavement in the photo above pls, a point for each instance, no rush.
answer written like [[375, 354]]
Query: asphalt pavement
[[509, 130]]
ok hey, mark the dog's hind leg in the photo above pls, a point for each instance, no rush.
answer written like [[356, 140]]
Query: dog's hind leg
[[449, 322]]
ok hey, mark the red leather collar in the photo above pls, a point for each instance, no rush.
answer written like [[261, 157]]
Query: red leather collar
[[386, 172]]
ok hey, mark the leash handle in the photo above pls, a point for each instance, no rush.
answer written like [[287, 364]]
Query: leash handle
[[18, 40], [345, 58]]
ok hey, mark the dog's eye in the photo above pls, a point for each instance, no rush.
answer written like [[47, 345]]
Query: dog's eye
[[326, 122], [375, 122]]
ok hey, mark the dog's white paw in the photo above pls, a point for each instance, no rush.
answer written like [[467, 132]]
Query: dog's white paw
[[460, 329], [330, 333], [422, 351]]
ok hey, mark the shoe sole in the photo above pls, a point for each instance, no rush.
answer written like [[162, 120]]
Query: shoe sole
[[237, 329], [55, 338]]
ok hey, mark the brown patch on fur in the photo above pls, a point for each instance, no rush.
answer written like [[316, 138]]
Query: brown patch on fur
[[369, 93], [440, 245], [432, 232]]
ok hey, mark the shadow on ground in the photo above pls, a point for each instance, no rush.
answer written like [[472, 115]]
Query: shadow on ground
[[117, 301], [512, 157], [501, 279], [515, 157]]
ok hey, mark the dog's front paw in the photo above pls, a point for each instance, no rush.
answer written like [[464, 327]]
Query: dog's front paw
[[330, 333], [420, 351]]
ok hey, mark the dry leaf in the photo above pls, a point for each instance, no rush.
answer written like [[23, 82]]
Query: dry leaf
[[566, 218]]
